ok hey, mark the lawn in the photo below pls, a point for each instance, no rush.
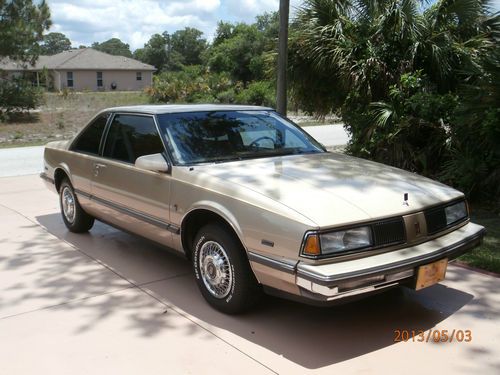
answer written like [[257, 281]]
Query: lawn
[[487, 256], [61, 116]]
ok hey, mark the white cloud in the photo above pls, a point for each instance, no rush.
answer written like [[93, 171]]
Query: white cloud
[[134, 21]]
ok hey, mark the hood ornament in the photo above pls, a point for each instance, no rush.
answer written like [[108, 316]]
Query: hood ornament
[[405, 197]]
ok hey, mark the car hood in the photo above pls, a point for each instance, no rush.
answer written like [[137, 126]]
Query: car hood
[[332, 189]]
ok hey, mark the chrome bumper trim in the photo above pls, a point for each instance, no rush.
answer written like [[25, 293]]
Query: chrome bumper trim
[[450, 252], [285, 265]]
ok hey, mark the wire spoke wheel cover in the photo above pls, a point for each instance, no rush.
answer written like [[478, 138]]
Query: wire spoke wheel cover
[[68, 204], [215, 269]]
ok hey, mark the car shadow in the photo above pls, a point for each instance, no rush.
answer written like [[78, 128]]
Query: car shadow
[[311, 337]]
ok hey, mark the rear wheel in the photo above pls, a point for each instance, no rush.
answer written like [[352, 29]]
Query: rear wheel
[[74, 217], [222, 271]]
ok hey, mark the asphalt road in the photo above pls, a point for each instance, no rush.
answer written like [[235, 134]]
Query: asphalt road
[[109, 302], [328, 135], [22, 161]]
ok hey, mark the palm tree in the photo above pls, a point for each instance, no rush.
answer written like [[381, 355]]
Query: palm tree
[[396, 70]]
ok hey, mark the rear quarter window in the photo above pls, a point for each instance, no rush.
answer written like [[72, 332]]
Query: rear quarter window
[[90, 138]]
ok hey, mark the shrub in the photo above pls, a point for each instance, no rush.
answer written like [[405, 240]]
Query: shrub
[[417, 87], [18, 95], [258, 93], [191, 85], [194, 84]]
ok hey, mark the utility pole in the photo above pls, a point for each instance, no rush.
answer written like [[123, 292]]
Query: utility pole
[[282, 57]]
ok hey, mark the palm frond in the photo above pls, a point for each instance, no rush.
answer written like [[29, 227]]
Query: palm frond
[[383, 113]]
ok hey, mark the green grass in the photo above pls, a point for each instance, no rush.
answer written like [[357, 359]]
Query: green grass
[[487, 256], [24, 144]]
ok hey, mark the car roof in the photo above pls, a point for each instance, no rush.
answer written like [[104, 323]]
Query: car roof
[[179, 108]]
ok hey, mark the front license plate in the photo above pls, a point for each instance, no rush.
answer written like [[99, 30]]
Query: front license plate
[[431, 274]]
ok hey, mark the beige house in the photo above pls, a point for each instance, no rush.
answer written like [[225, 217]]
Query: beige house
[[85, 69]]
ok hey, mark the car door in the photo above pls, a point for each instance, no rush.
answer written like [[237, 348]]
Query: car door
[[133, 198], [83, 154]]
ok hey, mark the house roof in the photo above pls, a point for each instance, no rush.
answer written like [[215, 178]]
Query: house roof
[[78, 59]]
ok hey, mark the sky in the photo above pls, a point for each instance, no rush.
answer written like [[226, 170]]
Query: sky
[[134, 21]]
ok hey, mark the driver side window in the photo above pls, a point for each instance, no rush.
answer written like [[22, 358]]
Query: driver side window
[[132, 136]]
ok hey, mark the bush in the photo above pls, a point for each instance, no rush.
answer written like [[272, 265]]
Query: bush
[[258, 93], [417, 87], [18, 95], [191, 85], [195, 85], [408, 130]]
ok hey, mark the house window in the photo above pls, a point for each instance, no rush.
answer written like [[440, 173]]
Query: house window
[[99, 79], [138, 76], [69, 79]]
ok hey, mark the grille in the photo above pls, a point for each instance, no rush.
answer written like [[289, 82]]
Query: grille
[[389, 232], [436, 220]]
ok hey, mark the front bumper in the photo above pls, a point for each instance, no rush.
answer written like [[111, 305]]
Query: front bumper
[[334, 281]]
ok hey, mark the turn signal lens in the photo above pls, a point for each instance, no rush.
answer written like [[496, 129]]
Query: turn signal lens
[[312, 245]]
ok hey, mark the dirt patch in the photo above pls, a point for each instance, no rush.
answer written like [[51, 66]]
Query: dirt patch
[[61, 117]]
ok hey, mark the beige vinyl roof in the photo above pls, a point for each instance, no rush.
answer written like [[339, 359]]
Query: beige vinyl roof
[[78, 59], [179, 108]]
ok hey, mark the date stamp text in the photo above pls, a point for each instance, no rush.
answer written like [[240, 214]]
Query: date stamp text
[[433, 335]]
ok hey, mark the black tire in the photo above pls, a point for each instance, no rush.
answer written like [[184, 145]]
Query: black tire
[[79, 221], [243, 290]]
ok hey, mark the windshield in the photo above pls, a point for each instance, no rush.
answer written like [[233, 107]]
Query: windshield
[[218, 136]]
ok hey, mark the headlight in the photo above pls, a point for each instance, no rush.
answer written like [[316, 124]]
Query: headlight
[[339, 241], [455, 212]]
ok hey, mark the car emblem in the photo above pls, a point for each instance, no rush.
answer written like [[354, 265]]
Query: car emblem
[[417, 228], [405, 201]]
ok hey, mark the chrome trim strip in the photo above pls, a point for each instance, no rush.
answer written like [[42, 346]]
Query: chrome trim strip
[[135, 214], [82, 193], [451, 251], [285, 265]]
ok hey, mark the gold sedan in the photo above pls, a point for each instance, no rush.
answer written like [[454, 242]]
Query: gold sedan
[[256, 204]]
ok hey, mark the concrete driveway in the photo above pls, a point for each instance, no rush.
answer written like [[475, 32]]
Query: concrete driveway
[[109, 302]]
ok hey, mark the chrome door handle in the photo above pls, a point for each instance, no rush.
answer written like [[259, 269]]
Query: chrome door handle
[[98, 166]]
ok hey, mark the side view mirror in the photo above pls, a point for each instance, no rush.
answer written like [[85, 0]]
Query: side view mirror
[[153, 162]]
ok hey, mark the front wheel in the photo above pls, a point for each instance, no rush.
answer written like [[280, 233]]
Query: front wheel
[[222, 271], [74, 217]]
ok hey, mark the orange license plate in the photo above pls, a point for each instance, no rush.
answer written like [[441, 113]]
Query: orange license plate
[[431, 274]]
